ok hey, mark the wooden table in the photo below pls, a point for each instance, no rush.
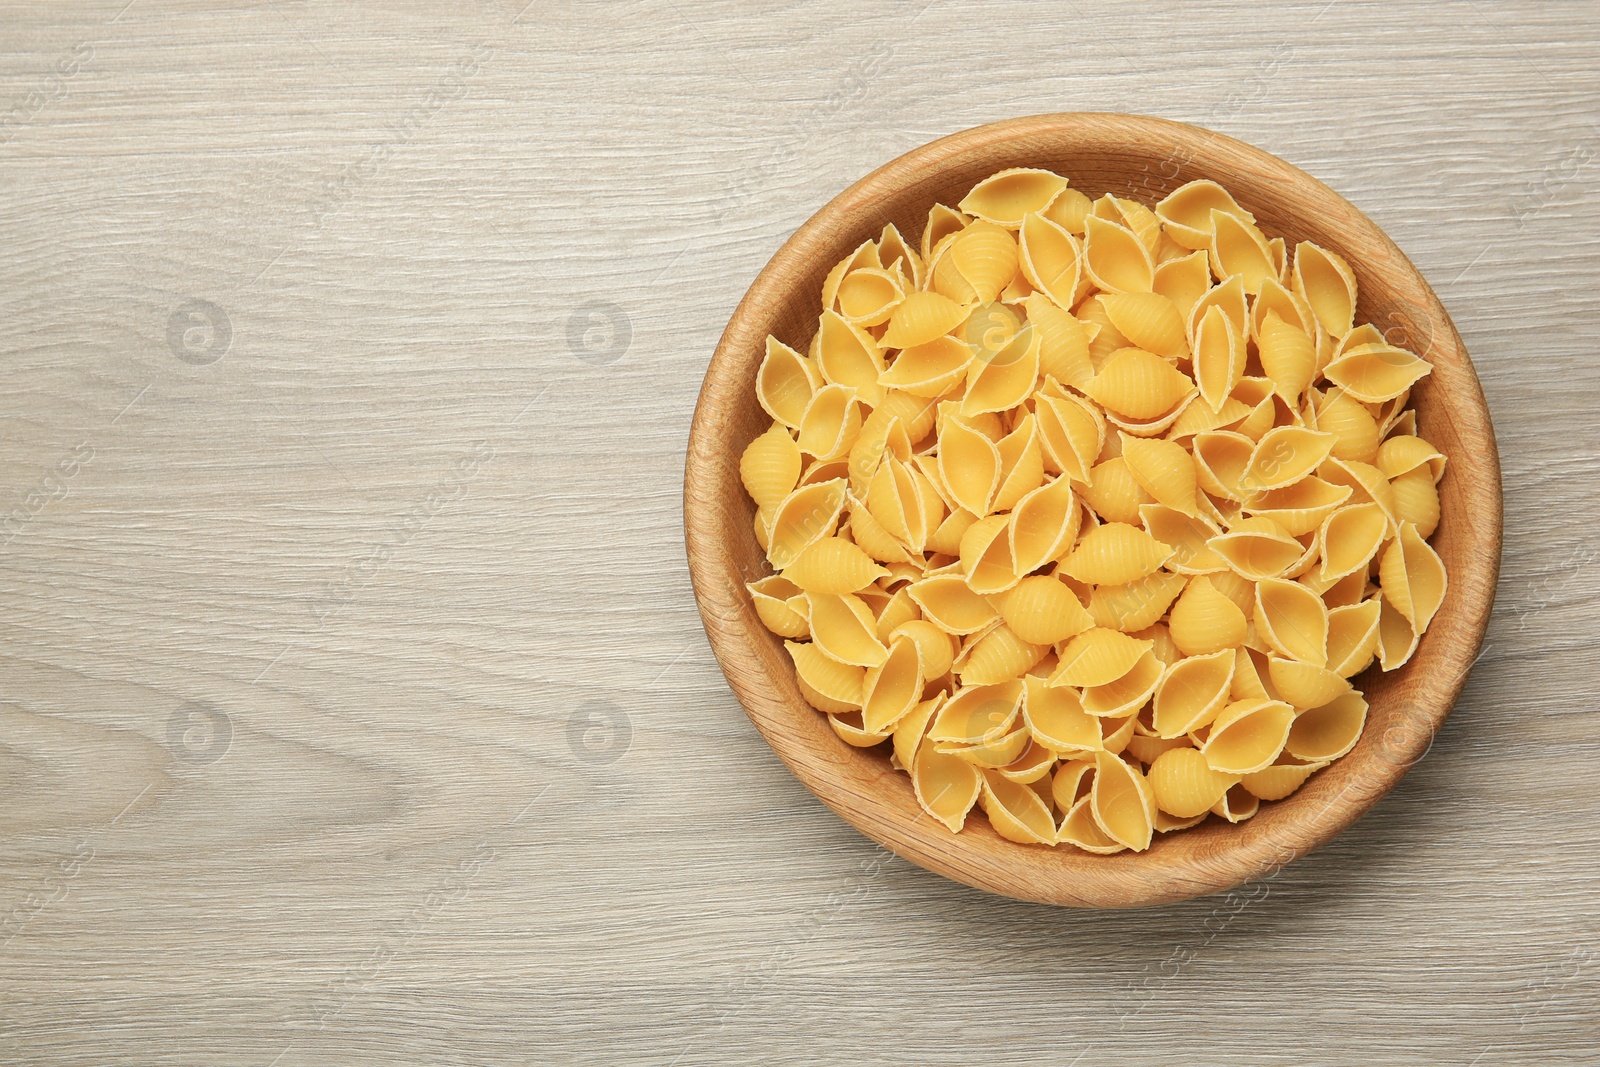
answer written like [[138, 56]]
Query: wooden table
[[356, 709]]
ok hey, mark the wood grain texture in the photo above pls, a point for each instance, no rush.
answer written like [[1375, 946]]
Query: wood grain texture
[[1143, 159], [412, 848]]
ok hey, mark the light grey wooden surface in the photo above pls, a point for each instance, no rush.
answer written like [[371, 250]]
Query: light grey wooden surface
[[355, 709]]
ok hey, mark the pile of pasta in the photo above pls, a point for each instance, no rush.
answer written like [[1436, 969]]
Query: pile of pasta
[[1093, 510]]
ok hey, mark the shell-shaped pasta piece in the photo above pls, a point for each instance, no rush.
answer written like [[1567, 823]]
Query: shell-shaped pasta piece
[[1016, 812], [1397, 638], [916, 413], [1121, 802], [1056, 717], [1404, 453], [839, 683], [999, 380], [1279, 780], [1413, 577], [1007, 197], [946, 787], [1229, 297], [1289, 356], [910, 730], [947, 537], [892, 247], [865, 255], [780, 606], [1184, 280], [1186, 212], [867, 296], [1146, 748], [1069, 210], [1237, 805], [1237, 247], [1204, 620], [1257, 548], [1416, 501], [1365, 481], [770, 466], [785, 383], [1041, 610], [1073, 777], [944, 277], [1128, 693], [1377, 372], [1328, 286], [986, 556], [949, 604], [1247, 736], [929, 369], [970, 465], [1196, 417], [843, 627], [1116, 260], [1165, 471], [1274, 299], [805, 516], [1072, 434], [1034, 765], [1352, 637], [976, 714], [1105, 338], [1139, 385], [1115, 732], [1283, 456], [1221, 458], [935, 648], [1328, 732], [890, 691], [1219, 357], [848, 355], [893, 501], [1299, 508], [833, 565], [1188, 535], [1080, 829], [922, 317], [1098, 657], [881, 435], [1114, 493], [1115, 553], [1354, 429], [1137, 604], [1051, 260], [1043, 525], [1182, 783], [1063, 342], [899, 610], [1291, 618], [831, 422], [1192, 692], [847, 725], [1135, 216], [1303, 684], [986, 256], [942, 222], [1149, 320], [1350, 537]]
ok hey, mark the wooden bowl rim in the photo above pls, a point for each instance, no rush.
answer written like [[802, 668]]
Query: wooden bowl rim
[[1066, 876]]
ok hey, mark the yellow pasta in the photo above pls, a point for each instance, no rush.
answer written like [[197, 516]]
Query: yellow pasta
[[1138, 384], [1007, 197], [1093, 637]]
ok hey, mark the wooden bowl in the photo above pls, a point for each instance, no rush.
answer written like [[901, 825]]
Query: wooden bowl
[[1143, 158]]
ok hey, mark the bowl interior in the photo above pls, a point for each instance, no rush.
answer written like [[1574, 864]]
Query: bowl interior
[[1143, 159]]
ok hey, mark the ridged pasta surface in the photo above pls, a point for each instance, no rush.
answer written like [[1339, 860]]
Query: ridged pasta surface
[[1093, 512]]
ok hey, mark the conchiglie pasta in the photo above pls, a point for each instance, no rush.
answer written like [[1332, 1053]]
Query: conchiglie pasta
[[1092, 637]]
